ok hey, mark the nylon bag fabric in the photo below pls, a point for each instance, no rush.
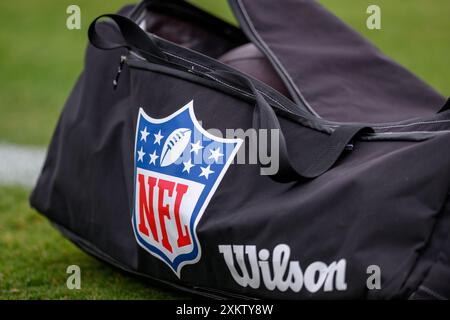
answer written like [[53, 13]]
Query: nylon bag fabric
[[364, 194]]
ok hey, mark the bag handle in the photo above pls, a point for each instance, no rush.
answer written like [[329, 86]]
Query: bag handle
[[264, 117], [135, 38], [323, 155]]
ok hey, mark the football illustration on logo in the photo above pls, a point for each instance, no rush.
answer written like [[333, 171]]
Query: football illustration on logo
[[174, 146], [170, 195]]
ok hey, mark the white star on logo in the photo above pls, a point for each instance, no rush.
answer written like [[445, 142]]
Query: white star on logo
[[144, 134], [158, 138], [153, 158], [141, 154], [195, 147], [215, 154], [206, 172], [187, 166]]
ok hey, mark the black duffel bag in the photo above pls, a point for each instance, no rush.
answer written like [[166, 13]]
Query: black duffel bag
[[151, 167]]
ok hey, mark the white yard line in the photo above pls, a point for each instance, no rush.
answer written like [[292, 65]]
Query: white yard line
[[20, 165]]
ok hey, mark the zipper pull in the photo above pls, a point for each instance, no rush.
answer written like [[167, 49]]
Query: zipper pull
[[350, 146], [194, 71], [123, 58]]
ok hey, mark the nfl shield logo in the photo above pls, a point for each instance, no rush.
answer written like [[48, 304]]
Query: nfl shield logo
[[178, 166]]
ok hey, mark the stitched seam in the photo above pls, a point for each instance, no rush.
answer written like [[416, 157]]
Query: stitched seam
[[244, 12], [403, 132], [283, 107], [244, 58], [274, 100], [432, 293], [229, 85], [412, 124], [226, 84], [329, 125], [186, 60], [247, 94]]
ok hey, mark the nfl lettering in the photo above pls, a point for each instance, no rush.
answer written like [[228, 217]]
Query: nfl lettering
[[178, 167], [147, 213]]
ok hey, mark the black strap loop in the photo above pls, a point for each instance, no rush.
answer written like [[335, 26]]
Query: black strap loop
[[324, 155], [134, 37], [264, 117]]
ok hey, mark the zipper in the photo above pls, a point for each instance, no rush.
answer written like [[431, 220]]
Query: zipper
[[250, 31], [202, 71], [247, 26], [123, 58], [308, 120]]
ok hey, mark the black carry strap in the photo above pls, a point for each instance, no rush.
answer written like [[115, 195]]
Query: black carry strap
[[135, 38], [264, 117], [325, 154]]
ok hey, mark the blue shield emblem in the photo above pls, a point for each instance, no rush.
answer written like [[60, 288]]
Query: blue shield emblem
[[178, 167]]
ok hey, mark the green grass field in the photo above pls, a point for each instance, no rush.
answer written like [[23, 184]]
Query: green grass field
[[34, 259], [39, 62]]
